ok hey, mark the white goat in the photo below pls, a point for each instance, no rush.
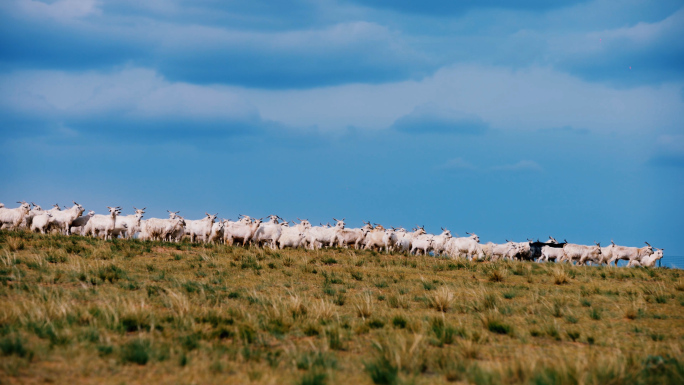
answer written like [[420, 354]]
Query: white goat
[[176, 228], [440, 242], [551, 253], [40, 222], [102, 225], [268, 232], [28, 219], [320, 236], [647, 260], [395, 236], [405, 243], [422, 243], [132, 223], [163, 229], [291, 237], [200, 228], [12, 218], [241, 231], [502, 250], [216, 235], [62, 220], [375, 239], [468, 246], [351, 237], [387, 240]]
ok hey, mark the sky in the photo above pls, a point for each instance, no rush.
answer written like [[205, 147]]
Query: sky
[[512, 120]]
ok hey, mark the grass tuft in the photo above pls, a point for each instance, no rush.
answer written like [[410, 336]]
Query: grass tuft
[[14, 345], [364, 306], [442, 299], [382, 371], [137, 351], [497, 275], [560, 276], [493, 322]]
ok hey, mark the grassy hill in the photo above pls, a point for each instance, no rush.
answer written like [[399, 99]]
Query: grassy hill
[[81, 310]]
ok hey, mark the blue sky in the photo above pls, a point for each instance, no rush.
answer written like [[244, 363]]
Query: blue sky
[[508, 119]]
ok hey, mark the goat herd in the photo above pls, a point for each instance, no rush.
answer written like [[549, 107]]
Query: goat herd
[[277, 233]]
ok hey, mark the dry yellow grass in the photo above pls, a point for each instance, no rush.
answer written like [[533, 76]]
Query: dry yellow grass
[[87, 311]]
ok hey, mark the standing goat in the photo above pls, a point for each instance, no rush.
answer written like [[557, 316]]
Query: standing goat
[[12, 218], [132, 223], [40, 222], [102, 224], [63, 219], [200, 228], [241, 231]]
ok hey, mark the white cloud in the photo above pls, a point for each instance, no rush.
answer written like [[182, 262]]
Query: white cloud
[[523, 165], [671, 143], [645, 33], [58, 10], [340, 36], [529, 99], [132, 91]]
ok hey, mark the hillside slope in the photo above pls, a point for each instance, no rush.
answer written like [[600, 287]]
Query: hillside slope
[[81, 310]]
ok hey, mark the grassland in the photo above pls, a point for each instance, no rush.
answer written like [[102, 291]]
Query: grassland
[[81, 310]]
